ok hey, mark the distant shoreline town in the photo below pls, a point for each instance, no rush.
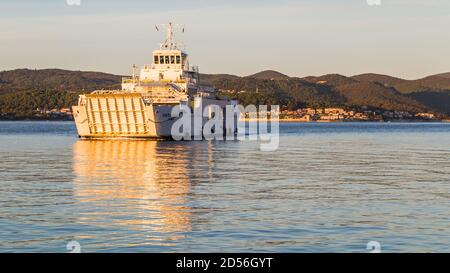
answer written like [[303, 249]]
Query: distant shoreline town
[[341, 114], [299, 115]]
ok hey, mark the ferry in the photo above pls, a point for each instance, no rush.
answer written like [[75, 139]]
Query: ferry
[[143, 107]]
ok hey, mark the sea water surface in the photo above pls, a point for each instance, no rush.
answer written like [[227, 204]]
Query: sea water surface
[[328, 188]]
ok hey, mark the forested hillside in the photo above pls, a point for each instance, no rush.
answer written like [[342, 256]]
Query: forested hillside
[[23, 91]]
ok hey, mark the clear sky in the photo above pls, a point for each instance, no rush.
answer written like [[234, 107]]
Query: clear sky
[[405, 38]]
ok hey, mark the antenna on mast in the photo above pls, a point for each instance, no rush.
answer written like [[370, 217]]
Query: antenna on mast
[[169, 43], [170, 35], [134, 73]]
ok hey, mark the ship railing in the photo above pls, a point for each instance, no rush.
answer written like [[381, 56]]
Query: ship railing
[[171, 100], [128, 80], [131, 80]]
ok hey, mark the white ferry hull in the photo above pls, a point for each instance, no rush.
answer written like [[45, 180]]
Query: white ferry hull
[[125, 115]]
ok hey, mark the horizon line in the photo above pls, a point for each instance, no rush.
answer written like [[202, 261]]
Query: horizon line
[[237, 75]]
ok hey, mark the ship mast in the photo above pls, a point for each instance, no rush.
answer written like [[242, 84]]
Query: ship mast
[[134, 73], [169, 43], [170, 35]]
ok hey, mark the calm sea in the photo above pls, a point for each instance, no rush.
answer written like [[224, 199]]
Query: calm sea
[[328, 188]]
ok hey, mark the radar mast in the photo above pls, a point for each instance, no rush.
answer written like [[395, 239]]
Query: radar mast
[[169, 43]]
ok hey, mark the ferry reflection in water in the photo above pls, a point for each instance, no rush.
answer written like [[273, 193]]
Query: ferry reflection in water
[[139, 185]]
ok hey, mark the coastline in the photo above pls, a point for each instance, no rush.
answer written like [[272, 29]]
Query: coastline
[[35, 119], [284, 120], [290, 120], [339, 121]]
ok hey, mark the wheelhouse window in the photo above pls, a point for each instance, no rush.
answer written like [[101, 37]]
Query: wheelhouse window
[[178, 59], [161, 59], [167, 61], [172, 59], [156, 59]]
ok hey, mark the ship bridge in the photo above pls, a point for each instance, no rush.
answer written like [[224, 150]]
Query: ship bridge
[[169, 63]]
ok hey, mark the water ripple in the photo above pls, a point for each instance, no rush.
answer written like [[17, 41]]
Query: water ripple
[[328, 188]]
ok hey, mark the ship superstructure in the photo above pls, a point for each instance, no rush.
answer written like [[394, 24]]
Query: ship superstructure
[[142, 108]]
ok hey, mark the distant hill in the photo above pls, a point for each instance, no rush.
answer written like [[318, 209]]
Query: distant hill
[[444, 75], [331, 79], [432, 91], [290, 92], [379, 96], [56, 79], [209, 78], [383, 79], [439, 82], [430, 83], [24, 90], [269, 75], [437, 101]]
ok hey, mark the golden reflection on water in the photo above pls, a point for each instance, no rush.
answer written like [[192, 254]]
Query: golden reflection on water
[[142, 185]]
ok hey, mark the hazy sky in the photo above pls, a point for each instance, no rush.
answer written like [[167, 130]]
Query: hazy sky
[[405, 38]]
